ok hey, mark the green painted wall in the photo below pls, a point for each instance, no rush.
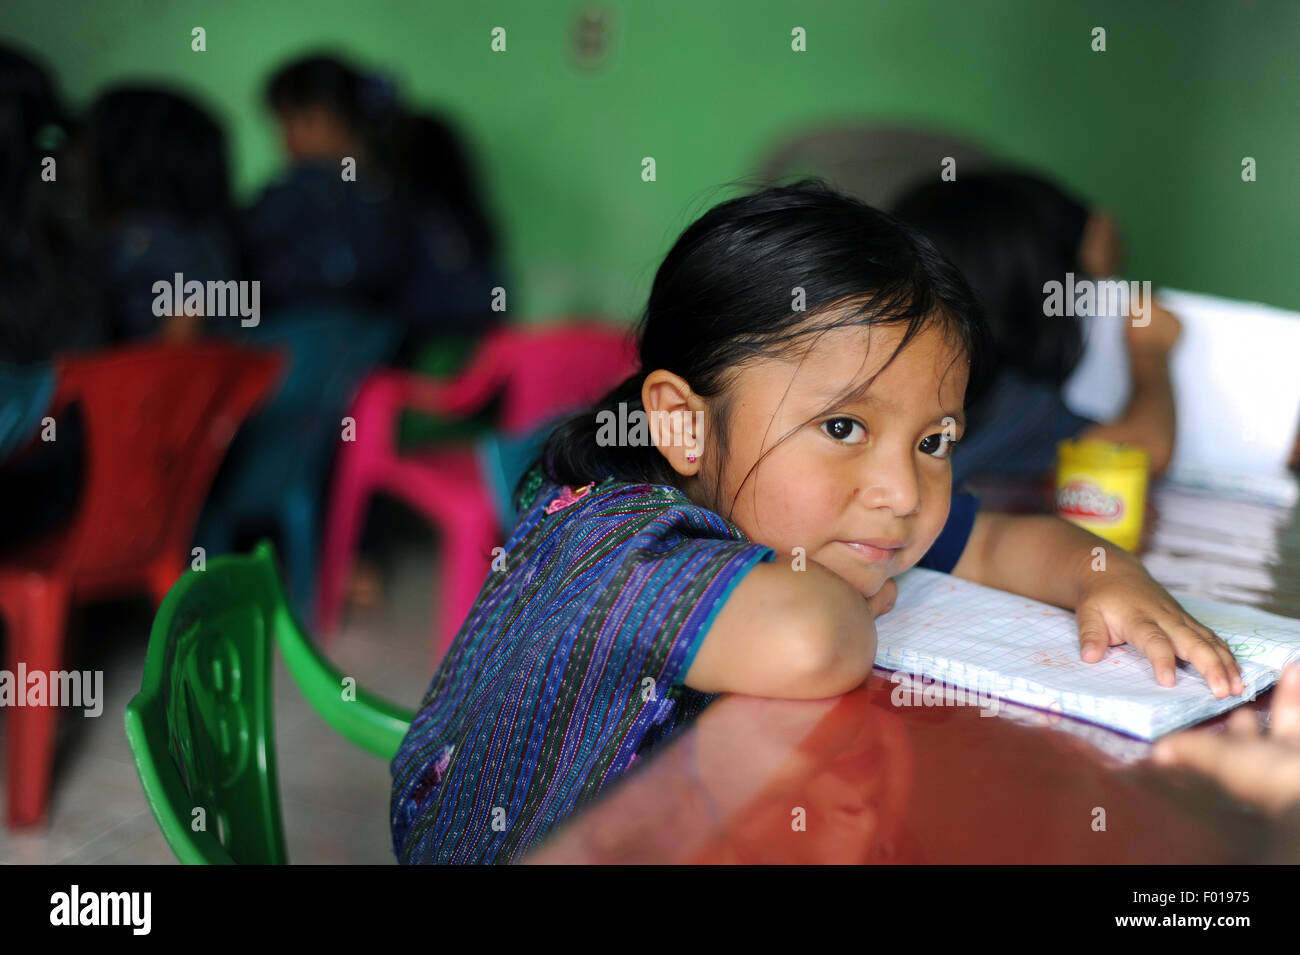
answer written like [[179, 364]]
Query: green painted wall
[[1155, 127]]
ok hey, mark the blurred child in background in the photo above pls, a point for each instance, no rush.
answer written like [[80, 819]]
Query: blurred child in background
[[408, 234], [328, 230], [1010, 233], [455, 262], [159, 196], [48, 300], [378, 210]]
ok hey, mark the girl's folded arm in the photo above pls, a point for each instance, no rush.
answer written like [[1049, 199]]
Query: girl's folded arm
[[1035, 555], [788, 634]]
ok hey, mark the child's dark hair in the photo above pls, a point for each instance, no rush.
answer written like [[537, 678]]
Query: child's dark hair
[[724, 295], [153, 150], [49, 300], [1009, 232], [367, 104], [33, 122], [317, 80], [434, 168]]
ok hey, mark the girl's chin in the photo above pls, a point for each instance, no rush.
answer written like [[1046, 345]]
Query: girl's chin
[[865, 581], [874, 587]]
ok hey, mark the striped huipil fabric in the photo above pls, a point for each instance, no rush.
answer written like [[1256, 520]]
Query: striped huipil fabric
[[568, 668]]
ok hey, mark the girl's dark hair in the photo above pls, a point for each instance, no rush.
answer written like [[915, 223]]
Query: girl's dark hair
[[724, 296], [1009, 233], [153, 150], [434, 168]]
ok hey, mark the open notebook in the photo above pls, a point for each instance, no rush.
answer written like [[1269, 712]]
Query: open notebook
[[1013, 648]]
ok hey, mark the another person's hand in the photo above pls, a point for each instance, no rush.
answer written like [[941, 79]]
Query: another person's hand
[[180, 329], [1156, 336], [1128, 606], [1101, 247], [1260, 767], [1150, 420]]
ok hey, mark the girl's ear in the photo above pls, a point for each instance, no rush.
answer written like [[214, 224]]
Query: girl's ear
[[675, 419]]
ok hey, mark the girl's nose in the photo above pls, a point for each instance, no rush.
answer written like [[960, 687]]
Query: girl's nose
[[890, 481]]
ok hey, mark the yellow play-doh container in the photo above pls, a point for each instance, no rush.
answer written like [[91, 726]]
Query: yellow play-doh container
[[1102, 487]]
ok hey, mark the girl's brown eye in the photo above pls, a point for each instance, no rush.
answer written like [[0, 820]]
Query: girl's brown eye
[[937, 445], [844, 429]]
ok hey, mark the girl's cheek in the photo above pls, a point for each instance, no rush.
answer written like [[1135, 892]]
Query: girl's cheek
[[909, 560], [929, 531]]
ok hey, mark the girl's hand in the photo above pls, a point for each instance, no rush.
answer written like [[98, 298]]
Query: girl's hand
[[1263, 768], [1125, 605]]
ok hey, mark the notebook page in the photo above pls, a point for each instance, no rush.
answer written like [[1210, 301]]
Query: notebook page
[[1252, 634], [989, 641]]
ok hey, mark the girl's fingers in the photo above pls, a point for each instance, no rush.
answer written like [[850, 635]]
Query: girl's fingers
[[1094, 634], [1224, 651], [1159, 649], [1204, 655], [1164, 638]]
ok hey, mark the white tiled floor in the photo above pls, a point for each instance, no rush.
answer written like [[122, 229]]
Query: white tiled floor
[[334, 796]]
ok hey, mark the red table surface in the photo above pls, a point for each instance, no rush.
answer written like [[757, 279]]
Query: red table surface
[[858, 779]]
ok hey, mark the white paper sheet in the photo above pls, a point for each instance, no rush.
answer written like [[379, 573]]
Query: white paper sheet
[[1236, 380]]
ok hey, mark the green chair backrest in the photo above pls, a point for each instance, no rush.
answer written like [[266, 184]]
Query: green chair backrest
[[201, 729], [442, 358]]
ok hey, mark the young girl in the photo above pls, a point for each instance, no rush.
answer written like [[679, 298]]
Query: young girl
[[158, 187], [804, 359]]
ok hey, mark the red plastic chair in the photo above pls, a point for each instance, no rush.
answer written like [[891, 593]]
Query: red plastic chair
[[537, 373], [158, 420]]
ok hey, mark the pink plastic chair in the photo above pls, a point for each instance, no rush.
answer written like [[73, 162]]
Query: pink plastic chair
[[538, 372]]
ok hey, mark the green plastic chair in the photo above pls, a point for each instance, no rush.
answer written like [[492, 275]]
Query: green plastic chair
[[442, 358], [201, 727]]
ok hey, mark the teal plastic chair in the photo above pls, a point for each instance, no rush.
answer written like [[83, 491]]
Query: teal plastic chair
[[275, 472], [25, 393], [504, 458], [201, 727]]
